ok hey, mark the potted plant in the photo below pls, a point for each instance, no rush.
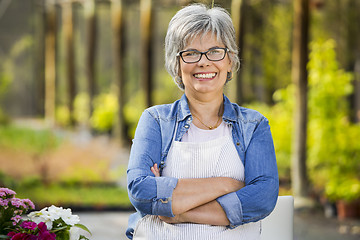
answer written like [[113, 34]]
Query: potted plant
[[345, 191]]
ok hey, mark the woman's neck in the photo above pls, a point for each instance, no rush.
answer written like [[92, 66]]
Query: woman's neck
[[207, 111]]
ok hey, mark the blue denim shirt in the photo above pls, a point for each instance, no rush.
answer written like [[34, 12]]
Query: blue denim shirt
[[254, 144]]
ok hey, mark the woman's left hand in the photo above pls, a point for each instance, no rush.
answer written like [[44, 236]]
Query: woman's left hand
[[171, 220]]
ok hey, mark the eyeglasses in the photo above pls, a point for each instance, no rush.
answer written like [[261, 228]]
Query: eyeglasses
[[213, 54]]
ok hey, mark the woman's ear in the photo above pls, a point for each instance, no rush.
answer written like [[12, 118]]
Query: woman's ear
[[230, 63]]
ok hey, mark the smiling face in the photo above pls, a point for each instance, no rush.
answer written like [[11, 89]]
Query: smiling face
[[204, 76]]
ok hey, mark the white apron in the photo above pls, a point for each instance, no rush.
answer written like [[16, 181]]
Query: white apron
[[215, 158]]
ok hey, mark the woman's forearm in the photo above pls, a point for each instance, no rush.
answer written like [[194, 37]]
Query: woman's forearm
[[210, 213], [191, 193]]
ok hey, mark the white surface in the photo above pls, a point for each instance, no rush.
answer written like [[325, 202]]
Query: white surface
[[279, 225]]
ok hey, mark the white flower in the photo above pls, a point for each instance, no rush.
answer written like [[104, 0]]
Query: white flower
[[42, 216], [48, 215], [71, 220], [74, 233]]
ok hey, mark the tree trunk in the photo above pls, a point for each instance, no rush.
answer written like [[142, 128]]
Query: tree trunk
[[90, 15], [357, 88], [146, 48], [70, 65], [299, 77], [50, 62], [237, 13], [40, 16], [117, 12]]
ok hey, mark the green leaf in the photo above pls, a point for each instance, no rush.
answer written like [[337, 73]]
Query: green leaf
[[82, 227], [4, 237]]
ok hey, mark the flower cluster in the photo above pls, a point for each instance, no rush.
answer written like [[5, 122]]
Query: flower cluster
[[60, 221], [53, 223], [11, 209]]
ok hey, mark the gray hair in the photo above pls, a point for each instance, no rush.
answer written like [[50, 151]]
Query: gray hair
[[192, 21]]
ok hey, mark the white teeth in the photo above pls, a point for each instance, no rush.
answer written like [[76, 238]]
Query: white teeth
[[203, 75]]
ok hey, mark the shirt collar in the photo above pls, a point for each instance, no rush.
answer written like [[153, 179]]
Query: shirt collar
[[184, 110]]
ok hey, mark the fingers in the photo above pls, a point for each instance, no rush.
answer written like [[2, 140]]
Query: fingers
[[155, 170], [171, 220]]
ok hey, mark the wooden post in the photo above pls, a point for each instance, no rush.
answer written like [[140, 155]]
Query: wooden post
[[90, 16], [237, 13], [117, 20], [146, 48], [299, 77], [67, 19], [50, 64]]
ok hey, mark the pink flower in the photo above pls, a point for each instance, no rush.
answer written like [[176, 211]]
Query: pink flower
[[6, 192], [4, 203], [16, 219], [29, 203], [21, 236], [44, 234], [28, 225], [16, 202]]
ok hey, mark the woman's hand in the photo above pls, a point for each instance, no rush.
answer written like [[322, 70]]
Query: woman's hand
[[155, 170], [171, 220]]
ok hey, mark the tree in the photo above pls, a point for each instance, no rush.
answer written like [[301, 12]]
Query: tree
[[67, 8], [146, 21], [117, 20], [299, 77], [50, 74], [237, 13], [90, 15]]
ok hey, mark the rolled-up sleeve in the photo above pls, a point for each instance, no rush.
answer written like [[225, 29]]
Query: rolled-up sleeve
[[149, 194], [232, 207]]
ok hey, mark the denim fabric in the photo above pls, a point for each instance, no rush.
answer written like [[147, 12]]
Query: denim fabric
[[254, 144]]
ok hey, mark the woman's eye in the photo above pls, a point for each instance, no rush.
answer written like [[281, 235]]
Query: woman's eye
[[214, 51], [189, 54]]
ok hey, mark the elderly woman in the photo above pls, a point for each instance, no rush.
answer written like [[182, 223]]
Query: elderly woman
[[201, 167]]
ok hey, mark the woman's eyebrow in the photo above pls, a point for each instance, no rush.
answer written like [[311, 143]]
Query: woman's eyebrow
[[194, 49]]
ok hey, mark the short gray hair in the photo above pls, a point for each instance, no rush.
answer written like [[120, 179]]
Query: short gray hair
[[194, 20]]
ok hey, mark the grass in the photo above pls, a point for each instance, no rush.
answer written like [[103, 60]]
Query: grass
[[76, 196], [64, 174]]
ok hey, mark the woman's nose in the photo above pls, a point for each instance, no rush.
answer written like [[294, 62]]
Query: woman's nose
[[204, 61]]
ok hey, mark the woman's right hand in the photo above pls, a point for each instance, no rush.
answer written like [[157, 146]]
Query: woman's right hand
[[155, 170]]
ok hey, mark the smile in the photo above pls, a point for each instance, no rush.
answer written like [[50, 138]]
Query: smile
[[205, 75]]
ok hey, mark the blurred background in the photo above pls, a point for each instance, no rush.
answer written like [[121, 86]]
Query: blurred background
[[75, 75]]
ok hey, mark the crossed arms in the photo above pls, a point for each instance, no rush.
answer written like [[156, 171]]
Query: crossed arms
[[194, 199]]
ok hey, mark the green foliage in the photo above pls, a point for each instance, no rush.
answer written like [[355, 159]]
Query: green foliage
[[105, 112], [62, 115], [79, 195], [133, 110], [4, 118], [280, 120], [277, 47], [26, 139], [333, 150], [345, 188], [82, 108]]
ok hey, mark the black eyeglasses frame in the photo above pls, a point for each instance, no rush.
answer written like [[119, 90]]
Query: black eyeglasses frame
[[179, 54]]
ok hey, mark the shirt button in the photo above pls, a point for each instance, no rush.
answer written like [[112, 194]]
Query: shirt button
[[238, 144], [186, 126]]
